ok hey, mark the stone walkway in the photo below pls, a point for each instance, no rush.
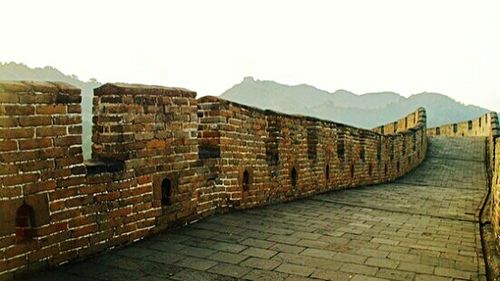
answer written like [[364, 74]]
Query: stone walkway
[[423, 227]]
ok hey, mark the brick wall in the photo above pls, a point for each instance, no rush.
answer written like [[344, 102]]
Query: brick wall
[[41, 170], [161, 157], [486, 126], [265, 156], [403, 124], [495, 195]]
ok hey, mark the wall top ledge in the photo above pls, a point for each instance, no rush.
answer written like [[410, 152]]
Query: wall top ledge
[[38, 86], [139, 89], [421, 122]]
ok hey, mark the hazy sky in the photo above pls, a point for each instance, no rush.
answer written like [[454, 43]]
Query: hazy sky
[[446, 46]]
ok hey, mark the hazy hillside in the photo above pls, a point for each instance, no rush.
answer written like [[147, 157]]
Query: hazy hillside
[[367, 111], [15, 71]]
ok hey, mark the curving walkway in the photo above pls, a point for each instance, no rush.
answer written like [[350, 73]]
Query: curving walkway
[[422, 227]]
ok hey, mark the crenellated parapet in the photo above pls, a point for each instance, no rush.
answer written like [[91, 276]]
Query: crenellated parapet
[[161, 158], [415, 119], [278, 157], [484, 126]]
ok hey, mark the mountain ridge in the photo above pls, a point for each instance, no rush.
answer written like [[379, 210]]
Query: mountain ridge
[[366, 110]]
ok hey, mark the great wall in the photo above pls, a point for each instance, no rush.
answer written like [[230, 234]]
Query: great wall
[[162, 158]]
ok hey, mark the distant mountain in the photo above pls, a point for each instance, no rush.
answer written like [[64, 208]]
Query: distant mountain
[[16, 71], [365, 111]]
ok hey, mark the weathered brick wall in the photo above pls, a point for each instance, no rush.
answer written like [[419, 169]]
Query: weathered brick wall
[[401, 125], [495, 195], [152, 130], [161, 157], [486, 126], [41, 168], [480, 127], [53, 208], [287, 156]]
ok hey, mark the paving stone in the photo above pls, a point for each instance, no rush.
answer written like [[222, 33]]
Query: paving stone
[[425, 277], [89, 271], [308, 261], [306, 235], [294, 269], [358, 268], [197, 252], [258, 243], [56, 276], [230, 270], [259, 263], [264, 275], [372, 253], [382, 262], [312, 244], [115, 274], [395, 249], [358, 277], [299, 278], [228, 247], [145, 266], [163, 246], [260, 253], [450, 272], [404, 257], [195, 275], [385, 241], [349, 258], [284, 239], [331, 275], [278, 247], [228, 257], [395, 274], [135, 252], [196, 263], [319, 253], [415, 267]]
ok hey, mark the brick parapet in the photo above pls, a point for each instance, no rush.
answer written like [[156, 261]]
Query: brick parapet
[[484, 126], [269, 145], [161, 157]]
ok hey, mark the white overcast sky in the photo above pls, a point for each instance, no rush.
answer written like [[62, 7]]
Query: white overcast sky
[[446, 46]]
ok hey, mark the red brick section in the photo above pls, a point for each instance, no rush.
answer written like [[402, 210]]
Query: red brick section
[[40, 149], [269, 145], [161, 157]]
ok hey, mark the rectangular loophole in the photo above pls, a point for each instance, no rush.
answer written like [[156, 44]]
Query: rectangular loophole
[[209, 151], [312, 143]]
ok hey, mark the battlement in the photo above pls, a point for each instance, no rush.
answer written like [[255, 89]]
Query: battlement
[[415, 119], [484, 126], [161, 157]]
